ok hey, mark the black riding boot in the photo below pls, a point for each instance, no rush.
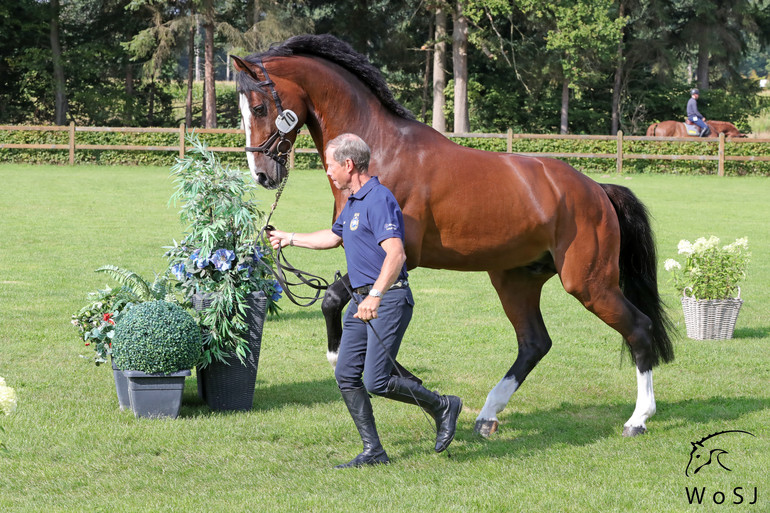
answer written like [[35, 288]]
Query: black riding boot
[[443, 408], [360, 408]]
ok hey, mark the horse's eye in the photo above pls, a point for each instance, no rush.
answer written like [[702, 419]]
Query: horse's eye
[[259, 110]]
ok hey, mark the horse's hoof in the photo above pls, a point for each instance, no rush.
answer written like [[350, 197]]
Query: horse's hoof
[[634, 430], [486, 427]]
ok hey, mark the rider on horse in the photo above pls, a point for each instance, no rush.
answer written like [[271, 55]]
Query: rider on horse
[[694, 115]]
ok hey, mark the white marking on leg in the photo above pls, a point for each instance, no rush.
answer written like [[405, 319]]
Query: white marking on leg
[[246, 114], [332, 357], [498, 398], [645, 400]]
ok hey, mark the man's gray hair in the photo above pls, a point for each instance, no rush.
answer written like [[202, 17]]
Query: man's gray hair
[[351, 146]]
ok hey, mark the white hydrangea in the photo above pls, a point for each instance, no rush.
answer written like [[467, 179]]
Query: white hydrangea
[[704, 244], [685, 247], [672, 264], [7, 398]]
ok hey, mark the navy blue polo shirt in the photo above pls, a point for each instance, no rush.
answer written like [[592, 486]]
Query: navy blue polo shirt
[[370, 216]]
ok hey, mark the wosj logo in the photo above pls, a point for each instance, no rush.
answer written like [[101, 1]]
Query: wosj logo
[[711, 455]]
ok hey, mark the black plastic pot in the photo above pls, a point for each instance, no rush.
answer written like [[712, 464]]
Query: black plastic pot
[[230, 385]]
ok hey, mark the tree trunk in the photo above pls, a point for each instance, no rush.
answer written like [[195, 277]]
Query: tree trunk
[[60, 91], [703, 68], [426, 77], [564, 106], [439, 72], [128, 109], [460, 69], [208, 75], [616, 88], [190, 75]]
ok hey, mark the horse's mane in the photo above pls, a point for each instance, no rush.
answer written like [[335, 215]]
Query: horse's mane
[[339, 52]]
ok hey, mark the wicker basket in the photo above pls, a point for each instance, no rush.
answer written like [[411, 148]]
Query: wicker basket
[[710, 319]]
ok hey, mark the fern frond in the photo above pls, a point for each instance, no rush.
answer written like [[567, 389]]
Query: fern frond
[[130, 280]]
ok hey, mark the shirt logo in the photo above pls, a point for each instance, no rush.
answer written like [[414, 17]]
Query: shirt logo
[[354, 222], [390, 227]]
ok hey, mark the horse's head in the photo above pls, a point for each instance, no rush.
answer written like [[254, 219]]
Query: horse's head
[[727, 128], [271, 120]]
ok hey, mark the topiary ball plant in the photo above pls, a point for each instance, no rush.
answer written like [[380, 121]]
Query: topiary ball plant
[[156, 337]]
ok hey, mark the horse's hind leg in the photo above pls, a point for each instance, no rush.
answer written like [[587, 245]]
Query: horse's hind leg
[[600, 293], [519, 291]]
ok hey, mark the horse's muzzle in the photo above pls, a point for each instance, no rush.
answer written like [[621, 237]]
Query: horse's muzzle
[[269, 182]]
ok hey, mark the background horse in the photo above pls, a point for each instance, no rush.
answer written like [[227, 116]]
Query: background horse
[[520, 219], [678, 129]]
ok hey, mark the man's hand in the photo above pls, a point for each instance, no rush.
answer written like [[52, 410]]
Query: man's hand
[[367, 309]]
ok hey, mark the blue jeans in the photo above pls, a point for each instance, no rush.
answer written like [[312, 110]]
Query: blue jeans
[[704, 128], [361, 354]]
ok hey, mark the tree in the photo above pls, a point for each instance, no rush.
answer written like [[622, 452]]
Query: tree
[[58, 67], [716, 31], [584, 36], [439, 71], [460, 68]]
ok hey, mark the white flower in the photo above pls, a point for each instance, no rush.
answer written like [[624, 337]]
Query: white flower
[[685, 248], [704, 244], [671, 264], [7, 398]]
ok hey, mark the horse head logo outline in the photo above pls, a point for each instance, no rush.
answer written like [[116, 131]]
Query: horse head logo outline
[[705, 454]]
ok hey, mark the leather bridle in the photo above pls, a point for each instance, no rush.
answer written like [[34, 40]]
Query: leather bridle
[[285, 123]]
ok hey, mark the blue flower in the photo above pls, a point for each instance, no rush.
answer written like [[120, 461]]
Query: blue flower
[[199, 261], [223, 259], [244, 267], [178, 270], [278, 291]]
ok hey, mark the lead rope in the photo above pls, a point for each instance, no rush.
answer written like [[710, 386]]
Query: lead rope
[[282, 265]]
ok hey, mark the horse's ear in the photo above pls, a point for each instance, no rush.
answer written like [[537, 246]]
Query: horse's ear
[[239, 65]]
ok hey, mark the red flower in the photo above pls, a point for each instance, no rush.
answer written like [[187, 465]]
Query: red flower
[[108, 318]]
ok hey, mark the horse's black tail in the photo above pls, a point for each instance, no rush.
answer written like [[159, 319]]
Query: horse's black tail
[[639, 267]]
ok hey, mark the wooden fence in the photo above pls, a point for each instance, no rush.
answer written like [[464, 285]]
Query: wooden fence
[[619, 155]]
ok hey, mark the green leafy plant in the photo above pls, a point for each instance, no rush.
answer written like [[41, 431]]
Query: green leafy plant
[[156, 337], [218, 256], [8, 404], [95, 322], [710, 271]]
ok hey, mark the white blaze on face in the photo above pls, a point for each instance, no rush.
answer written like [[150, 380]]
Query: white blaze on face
[[246, 114]]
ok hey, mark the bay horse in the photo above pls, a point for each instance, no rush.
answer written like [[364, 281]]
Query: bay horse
[[678, 129], [520, 219]]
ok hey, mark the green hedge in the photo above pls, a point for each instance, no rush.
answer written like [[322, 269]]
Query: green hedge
[[312, 161]]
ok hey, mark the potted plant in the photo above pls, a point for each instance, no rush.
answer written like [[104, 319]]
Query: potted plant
[[155, 345], [708, 280], [95, 322], [223, 273]]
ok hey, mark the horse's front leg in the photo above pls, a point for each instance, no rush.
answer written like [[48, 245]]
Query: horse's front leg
[[335, 299], [519, 292]]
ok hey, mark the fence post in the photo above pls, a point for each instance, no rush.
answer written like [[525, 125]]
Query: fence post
[[721, 166], [72, 143], [619, 156], [509, 142], [182, 133]]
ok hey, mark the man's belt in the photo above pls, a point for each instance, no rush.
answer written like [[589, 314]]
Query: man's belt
[[401, 284]]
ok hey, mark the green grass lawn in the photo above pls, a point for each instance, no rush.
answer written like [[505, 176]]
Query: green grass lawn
[[558, 449]]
